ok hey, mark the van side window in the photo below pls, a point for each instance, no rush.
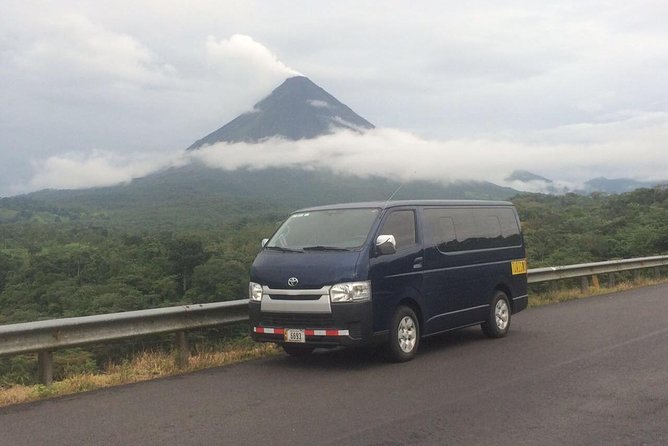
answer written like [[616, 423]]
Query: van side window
[[510, 229], [452, 230], [400, 224], [492, 226], [446, 234]]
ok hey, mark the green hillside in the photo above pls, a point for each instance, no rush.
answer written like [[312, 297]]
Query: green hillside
[[199, 197]]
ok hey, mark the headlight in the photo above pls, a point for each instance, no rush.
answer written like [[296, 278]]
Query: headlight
[[255, 292], [350, 292]]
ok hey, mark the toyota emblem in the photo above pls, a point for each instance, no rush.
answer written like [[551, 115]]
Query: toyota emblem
[[293, 281]]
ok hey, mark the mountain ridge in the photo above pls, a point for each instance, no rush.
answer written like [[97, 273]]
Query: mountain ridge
[[526, 176], [594, 185], [616, 185]]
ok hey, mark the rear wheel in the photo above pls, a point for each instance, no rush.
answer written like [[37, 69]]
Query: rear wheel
[[498, 321], [298, 350], [404, 335]]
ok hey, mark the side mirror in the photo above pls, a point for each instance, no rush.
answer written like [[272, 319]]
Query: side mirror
[[264, 242], [386, 244]]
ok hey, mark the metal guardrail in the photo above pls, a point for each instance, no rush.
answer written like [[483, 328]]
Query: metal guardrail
[[589, 269], [45, 336], [72, 332]]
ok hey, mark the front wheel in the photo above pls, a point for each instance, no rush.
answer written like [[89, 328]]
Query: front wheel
[[498, 321], [404, 335]]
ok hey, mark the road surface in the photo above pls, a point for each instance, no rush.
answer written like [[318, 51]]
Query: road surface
[[587, 372]]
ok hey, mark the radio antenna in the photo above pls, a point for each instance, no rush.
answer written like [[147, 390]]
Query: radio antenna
[[393, 194]]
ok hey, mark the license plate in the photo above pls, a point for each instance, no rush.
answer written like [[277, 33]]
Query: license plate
[[294, 335], [519, 267]]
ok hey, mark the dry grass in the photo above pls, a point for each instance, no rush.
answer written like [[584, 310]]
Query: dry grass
[[143, 367], [151, 365], [551, 297]]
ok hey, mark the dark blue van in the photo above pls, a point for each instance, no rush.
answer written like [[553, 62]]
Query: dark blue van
[[388, 273]]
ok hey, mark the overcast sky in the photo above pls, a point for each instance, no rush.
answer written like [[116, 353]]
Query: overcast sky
[[93, 93]]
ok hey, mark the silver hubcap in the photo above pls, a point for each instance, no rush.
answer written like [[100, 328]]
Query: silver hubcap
[[407, 334], [501, 314]]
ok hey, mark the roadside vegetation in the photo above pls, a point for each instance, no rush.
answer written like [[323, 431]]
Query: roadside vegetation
[[143, 366], [562, 294]]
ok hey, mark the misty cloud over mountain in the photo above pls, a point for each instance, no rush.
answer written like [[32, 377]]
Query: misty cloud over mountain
[[383, 152]]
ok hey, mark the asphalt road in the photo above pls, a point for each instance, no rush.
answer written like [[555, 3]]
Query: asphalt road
[[586, 372]]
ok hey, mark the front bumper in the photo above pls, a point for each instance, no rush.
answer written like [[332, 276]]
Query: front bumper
[[347, 324]]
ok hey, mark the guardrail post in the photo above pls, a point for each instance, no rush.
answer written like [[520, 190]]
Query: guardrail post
[[594, 281], [657, 273], [611, 280], [636, 275], [584, 284], [45, 367], [182, 349]]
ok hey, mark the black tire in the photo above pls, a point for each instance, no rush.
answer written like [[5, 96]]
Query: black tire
[[297, 350], [404, 335], [498, 320]]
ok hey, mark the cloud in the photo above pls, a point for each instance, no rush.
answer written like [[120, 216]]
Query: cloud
[[541, 187], [637, 151], [72, 49], [240, 54], [98, 168]]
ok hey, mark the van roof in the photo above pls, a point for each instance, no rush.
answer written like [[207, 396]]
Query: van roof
[[398, 203]]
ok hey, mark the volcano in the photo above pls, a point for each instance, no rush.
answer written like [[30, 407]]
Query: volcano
[[296, 109]]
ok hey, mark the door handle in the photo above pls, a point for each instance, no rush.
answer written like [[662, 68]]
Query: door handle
[[417, 263]]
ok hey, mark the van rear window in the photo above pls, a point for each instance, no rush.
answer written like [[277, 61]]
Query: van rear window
[[460, 229]]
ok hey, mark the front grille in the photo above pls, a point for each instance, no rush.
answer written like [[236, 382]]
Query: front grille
[[296, 320], [295, 297]]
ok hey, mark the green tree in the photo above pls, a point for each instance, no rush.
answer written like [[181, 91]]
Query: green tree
[[184, 254], [219, 280], [7, 264]]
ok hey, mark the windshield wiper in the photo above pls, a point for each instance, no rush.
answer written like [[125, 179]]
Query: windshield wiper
[[281, 248], [324, 248]]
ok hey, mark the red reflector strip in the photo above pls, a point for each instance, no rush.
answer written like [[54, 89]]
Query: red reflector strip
[[326, 332], [307, 332], [268, 330]]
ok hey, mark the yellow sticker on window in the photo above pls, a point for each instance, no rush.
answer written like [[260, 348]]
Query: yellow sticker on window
[[519, 266]]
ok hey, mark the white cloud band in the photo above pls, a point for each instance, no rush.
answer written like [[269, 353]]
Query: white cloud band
[[637, 151]]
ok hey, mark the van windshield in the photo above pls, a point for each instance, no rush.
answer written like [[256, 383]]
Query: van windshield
[[334, 229]]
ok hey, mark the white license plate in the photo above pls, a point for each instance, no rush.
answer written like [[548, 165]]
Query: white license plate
[[294, 335]]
